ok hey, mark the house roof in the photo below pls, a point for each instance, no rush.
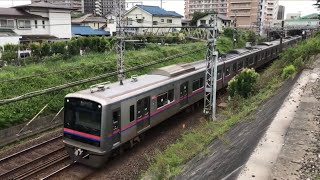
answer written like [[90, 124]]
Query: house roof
[[45, 5], [7, 33], [157, 11], [13, 12], [88, 31], [88, 18]]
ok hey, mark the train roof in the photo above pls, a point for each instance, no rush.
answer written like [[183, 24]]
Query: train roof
[[110, 92]]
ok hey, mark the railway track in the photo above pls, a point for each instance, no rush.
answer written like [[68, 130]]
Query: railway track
[[28, 162]]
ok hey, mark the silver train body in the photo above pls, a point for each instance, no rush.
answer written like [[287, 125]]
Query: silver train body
[[101, 119]]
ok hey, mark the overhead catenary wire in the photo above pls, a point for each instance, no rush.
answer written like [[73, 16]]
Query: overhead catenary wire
[[87, 80]]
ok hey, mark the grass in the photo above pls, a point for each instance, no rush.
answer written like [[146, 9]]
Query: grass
[[170, 162], [18, 112]]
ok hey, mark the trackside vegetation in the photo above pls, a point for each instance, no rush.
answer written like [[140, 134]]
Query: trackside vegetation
[[90, 65], [169, 163], [243, 84]]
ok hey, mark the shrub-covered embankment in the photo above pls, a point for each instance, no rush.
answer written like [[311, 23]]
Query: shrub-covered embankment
[[89, 66], [169, 163]]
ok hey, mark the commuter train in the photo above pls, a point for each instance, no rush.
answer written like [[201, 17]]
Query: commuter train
[[106, 117]]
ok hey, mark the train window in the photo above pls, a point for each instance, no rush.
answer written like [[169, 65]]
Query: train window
[[184, 89], [234, 67], [116, 119], [240, 65], [265, 54], [251, 60], [165, 98], [143, 107], [219, 76], [256, 58], [247, 62], [131, 113], [227, 71], [197, 84]]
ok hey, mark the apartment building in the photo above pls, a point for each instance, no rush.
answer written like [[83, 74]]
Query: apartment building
[[76, 4], [107, 6], [271, 12], [250, 13], [192, 6], [281, 11]]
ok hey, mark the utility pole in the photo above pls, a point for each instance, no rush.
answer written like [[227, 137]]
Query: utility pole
[[120, 42], [161, 3], [281, 34], [211, 70], [235, 30]]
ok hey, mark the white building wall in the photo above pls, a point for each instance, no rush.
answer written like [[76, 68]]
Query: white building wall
[[40, 30], [9, 40], [220, 23], [60, 24]]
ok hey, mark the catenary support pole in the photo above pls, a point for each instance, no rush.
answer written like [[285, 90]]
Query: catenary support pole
[[211, 71]]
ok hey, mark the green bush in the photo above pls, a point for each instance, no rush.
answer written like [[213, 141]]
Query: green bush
[[243, 84], [288, 71], [224, 45], [45, 49], [35, 49], [58, 47], [9, 52], [73, 47]]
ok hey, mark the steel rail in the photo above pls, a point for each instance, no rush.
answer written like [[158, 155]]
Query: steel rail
[[30, 148], [17, 168]]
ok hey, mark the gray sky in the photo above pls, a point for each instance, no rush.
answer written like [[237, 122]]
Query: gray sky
[[305, 6]]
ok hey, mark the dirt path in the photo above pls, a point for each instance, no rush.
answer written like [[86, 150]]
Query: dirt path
[[228, 154]]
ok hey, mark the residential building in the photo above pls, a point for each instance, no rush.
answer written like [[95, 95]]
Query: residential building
[[249, 13], [107, 6], [192, 6], [89, 25], [76, 4], [151, 16], [112, 25], [293, 16], [38, 21], [222, 21], [95, 22], [271, 12], [281, 11]]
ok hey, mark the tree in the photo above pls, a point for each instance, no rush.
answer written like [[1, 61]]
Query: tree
[[317, 3]]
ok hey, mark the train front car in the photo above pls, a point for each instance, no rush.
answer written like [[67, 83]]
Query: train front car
[[83, 132]]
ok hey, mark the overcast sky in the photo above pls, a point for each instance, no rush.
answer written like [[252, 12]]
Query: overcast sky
[[292, 6]]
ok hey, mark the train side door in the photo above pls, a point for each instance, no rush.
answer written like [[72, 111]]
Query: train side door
[[184, 94], [116, 120], [143, 113]]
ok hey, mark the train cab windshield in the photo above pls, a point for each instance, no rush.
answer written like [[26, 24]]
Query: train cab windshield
[[82, 116]]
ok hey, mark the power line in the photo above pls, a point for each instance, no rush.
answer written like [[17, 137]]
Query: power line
[[77, 83]]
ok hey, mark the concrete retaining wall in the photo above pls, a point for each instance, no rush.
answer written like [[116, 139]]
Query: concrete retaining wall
[[39, 125]]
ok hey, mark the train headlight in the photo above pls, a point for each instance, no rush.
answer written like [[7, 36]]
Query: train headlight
[[78, 152]]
